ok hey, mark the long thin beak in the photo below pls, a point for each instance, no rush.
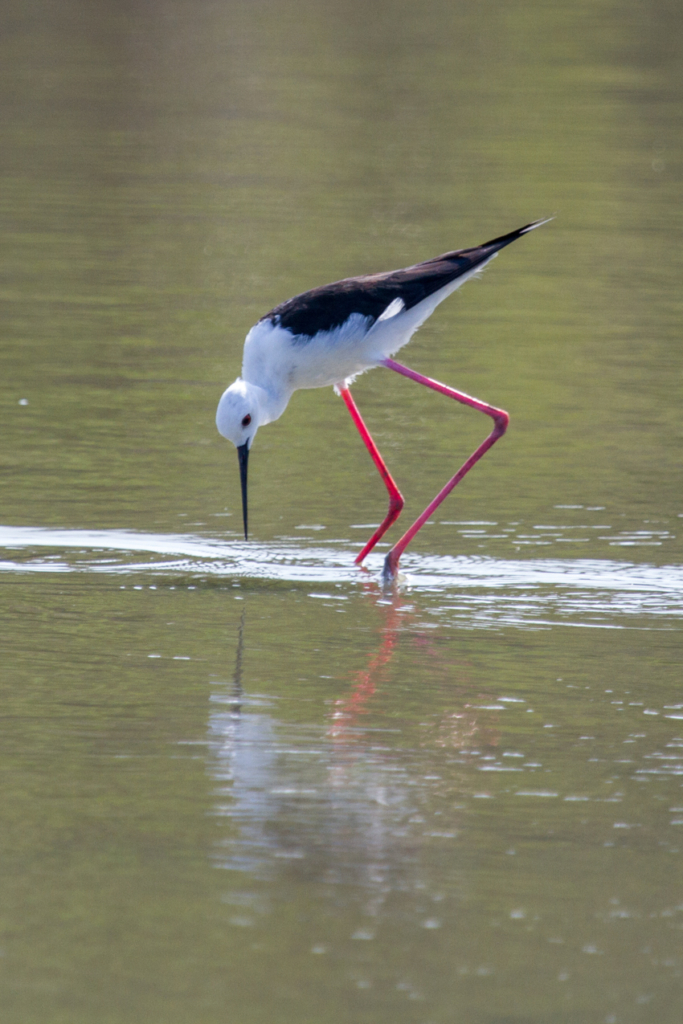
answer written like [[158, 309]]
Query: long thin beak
[[243, 455]]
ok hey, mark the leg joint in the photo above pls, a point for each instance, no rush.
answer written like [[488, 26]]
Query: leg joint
[[396, 502], [502, 421]]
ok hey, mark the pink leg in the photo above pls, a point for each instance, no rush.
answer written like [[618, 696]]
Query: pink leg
[[395, 496], [501, 420]]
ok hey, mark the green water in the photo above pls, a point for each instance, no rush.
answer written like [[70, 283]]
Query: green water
[[243, 783]]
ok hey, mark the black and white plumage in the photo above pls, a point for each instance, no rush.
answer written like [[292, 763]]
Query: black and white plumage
[[327, 308], [328, 335]]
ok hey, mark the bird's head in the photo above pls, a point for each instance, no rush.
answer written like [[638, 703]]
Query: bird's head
[[240, 413]]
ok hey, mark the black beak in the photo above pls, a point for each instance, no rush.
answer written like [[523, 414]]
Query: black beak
[[243, 455]]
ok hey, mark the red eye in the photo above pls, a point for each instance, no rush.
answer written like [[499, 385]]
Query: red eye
[[246, 421]]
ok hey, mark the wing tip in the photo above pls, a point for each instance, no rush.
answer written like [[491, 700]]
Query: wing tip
[[512, 236], [535, 224]]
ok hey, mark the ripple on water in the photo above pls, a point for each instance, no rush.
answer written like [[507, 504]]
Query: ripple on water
[[477, 591]]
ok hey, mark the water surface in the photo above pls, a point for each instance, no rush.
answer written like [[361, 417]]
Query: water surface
[[244, 781]]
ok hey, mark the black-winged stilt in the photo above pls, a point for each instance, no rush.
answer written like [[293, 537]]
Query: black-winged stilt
[[331, 334]]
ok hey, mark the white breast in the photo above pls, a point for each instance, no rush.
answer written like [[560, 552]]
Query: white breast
[[276, 360]]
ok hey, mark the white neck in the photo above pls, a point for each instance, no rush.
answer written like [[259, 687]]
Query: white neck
[[270, 405]]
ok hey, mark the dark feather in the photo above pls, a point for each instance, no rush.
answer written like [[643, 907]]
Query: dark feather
[[325, 308]]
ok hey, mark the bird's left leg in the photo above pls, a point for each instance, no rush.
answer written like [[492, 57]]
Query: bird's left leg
[[395, 496], [500, 423]]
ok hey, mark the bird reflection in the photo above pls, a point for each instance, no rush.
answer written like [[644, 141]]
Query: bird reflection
[[329, 798]]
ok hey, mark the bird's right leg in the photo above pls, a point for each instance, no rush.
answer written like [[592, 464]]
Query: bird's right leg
[[395, 496]]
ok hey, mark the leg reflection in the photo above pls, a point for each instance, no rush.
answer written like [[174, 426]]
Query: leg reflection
[[348, 709]]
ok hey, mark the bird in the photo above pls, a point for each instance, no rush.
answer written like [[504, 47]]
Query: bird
[[330, 335]]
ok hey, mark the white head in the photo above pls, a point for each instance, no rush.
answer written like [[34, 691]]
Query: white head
[[239, 412]]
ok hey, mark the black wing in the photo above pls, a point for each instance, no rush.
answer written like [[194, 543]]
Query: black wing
[[323, 309]]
